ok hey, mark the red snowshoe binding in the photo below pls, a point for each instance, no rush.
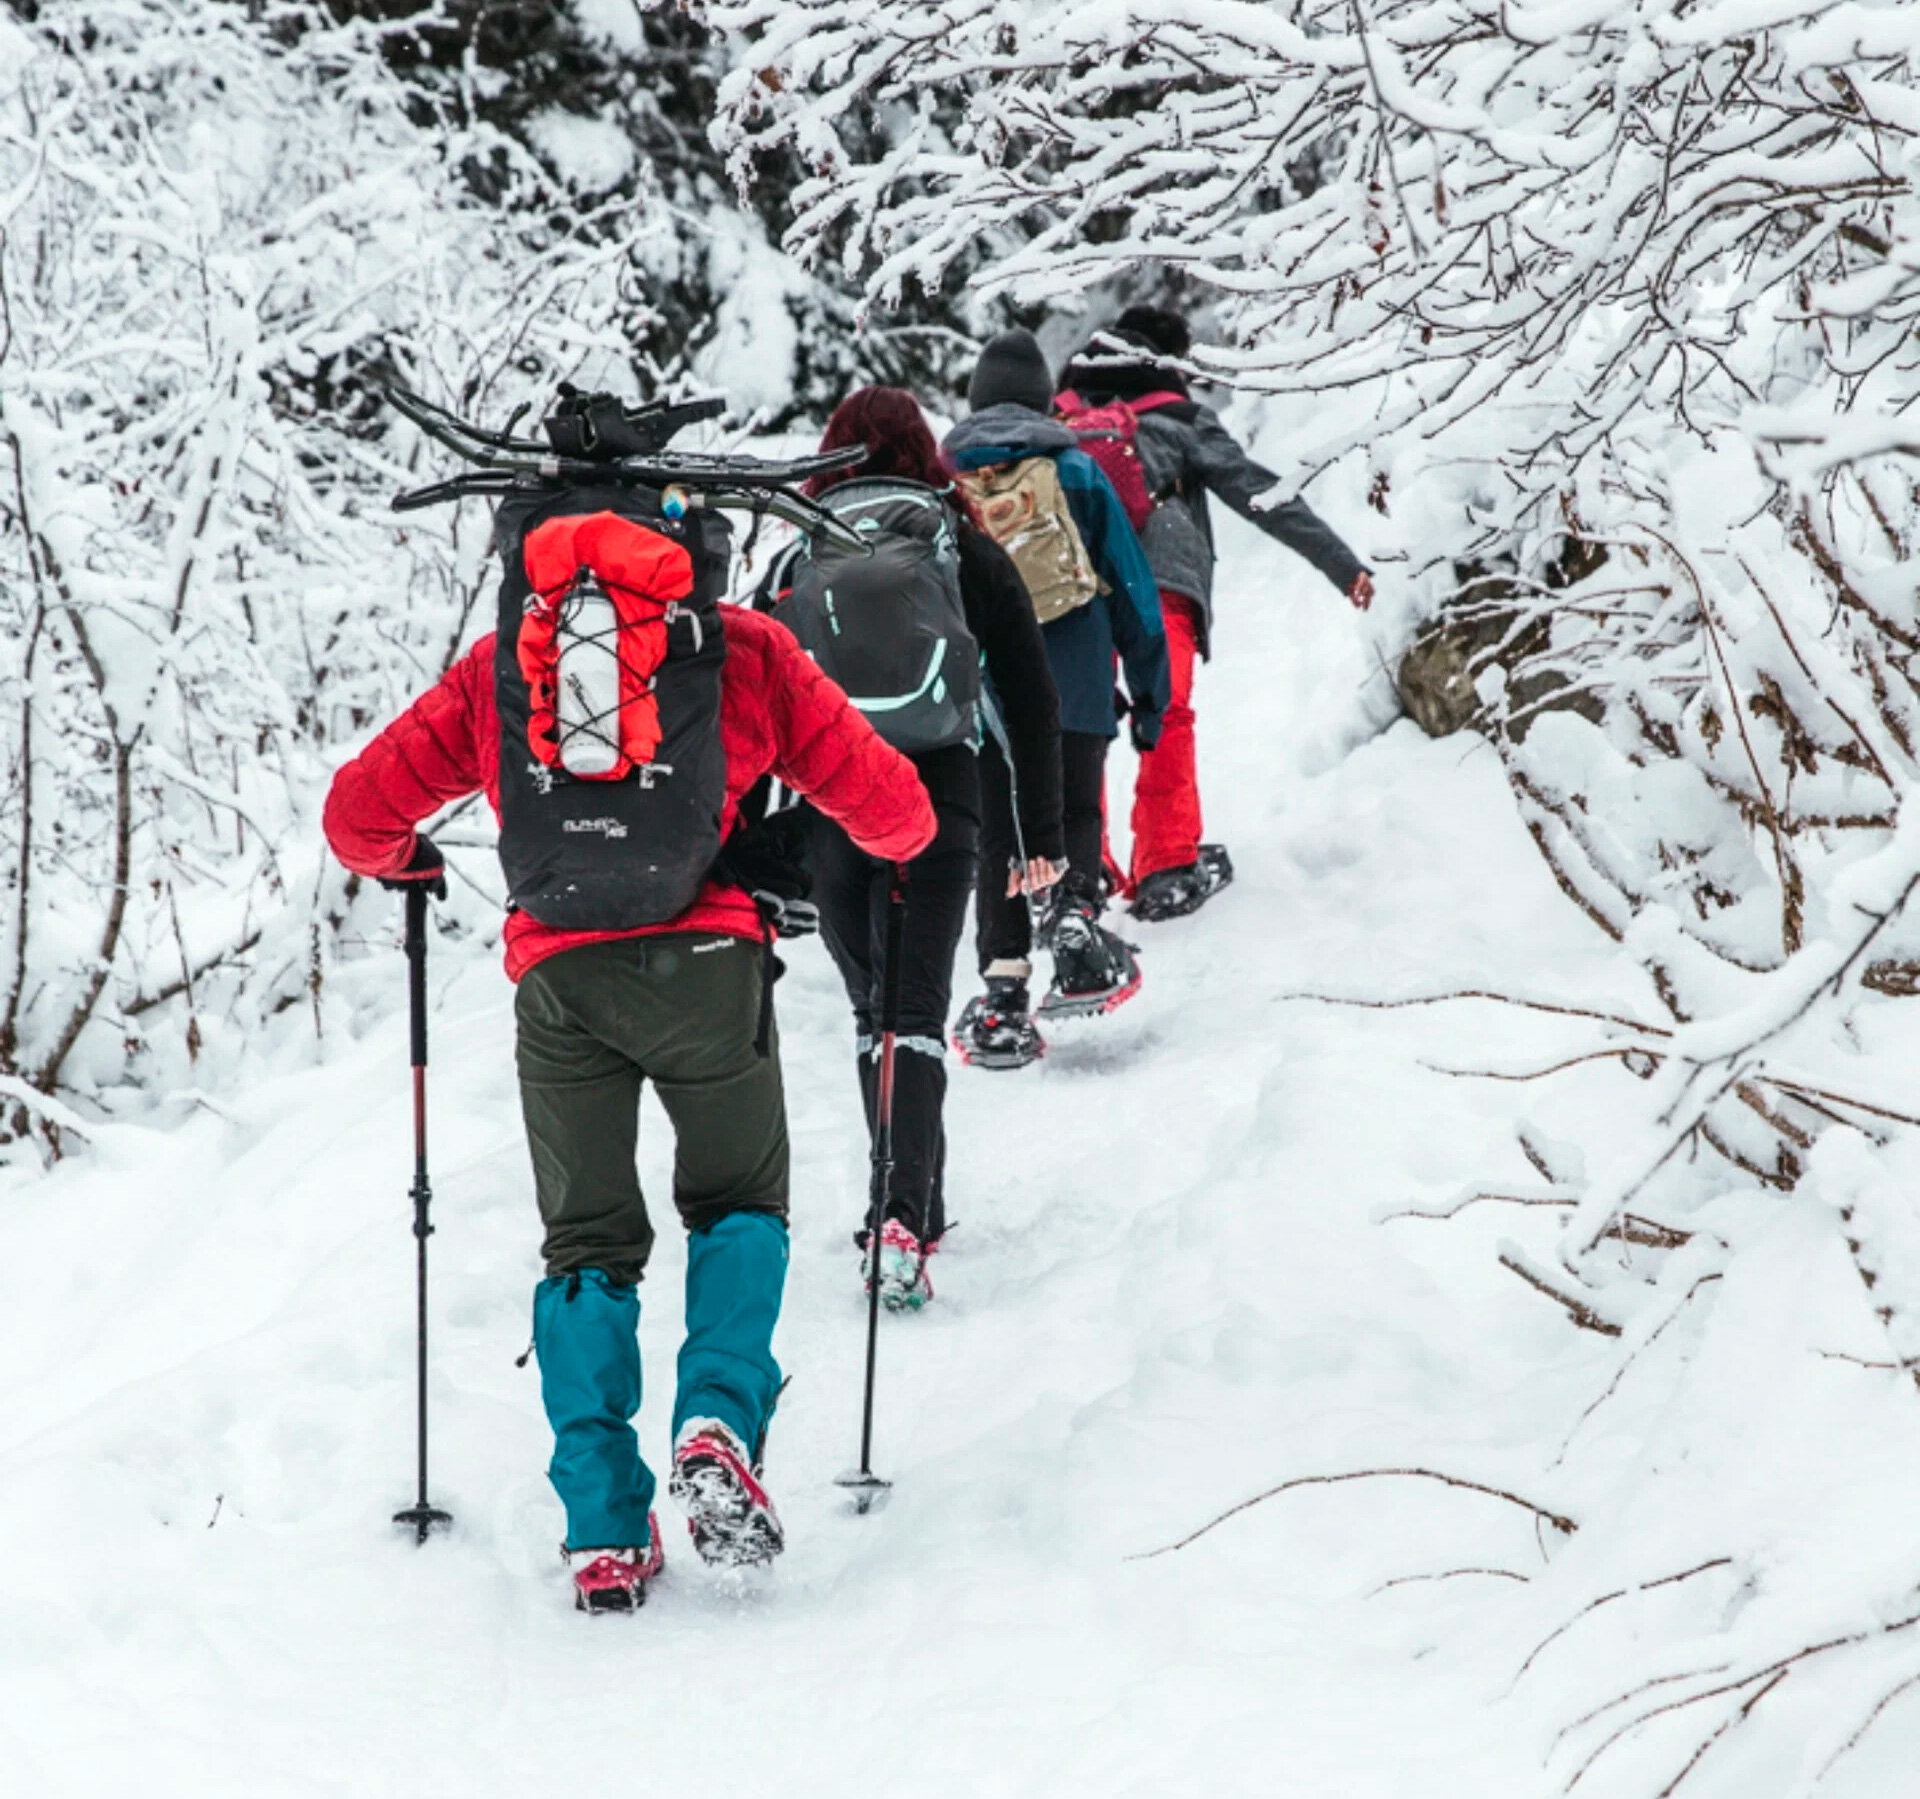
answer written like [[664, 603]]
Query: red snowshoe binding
[[905, 1285], [731, 1519], [615, 1580], [1093, 971]]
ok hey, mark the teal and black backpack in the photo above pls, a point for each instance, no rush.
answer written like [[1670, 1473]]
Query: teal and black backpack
[[889, 627]]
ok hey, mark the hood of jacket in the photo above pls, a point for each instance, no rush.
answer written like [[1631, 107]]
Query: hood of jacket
[[1006, 432], [1097, 378]]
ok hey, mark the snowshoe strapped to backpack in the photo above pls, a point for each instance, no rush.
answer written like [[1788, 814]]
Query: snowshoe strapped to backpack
[[1024, 509], [607, 678], [890, 627]]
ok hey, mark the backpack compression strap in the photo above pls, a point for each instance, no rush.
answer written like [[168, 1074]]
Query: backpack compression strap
[[644, 574]]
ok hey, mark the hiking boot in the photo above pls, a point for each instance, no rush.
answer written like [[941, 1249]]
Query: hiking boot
[[905, 1285], [995, 1030], [615, 1580], [1093, 971], [731, 1519], [1174, 892]]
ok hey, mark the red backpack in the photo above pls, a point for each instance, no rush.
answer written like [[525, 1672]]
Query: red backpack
[[607, 676], [1106, 433]]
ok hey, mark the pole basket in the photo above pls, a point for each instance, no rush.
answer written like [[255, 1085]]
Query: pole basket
[[424, 1520]]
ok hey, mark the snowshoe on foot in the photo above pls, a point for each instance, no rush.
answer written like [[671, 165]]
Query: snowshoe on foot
[[615, 1580], [1093, 971], [1174, 892], [905, 1285], [1169, 893], [995, 1030], [731, 1519]]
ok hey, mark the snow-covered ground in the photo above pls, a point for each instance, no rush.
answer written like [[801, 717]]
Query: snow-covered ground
[[1170, 1288]]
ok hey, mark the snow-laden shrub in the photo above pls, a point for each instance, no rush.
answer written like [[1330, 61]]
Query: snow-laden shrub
[[1618, 300], [220, 228], [1606, 276]]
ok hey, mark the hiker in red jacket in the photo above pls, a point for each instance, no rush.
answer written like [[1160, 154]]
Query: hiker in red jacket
[[1184, 454], [598, 1012]]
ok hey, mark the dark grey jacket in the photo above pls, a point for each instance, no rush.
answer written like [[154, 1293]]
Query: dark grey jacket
[[1185, 454]]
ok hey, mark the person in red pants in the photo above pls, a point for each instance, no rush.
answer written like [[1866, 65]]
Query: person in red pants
[[1185, 454]]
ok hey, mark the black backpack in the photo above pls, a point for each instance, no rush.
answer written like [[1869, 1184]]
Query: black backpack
[[607, 667], [890, 627], [607, 675]]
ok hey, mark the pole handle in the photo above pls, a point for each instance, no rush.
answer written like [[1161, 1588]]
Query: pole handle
[[416, 941]]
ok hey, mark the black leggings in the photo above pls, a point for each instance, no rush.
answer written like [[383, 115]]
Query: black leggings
[[851, 889], [1004, 931]]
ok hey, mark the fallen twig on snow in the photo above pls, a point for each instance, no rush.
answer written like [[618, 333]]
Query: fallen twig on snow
[[1620, 1373], [1622, 1052], [1579, 1310], [1563, 1524], [1766, 1678], [1801, 1091], [1455, 1207], [1631, 1227], [1409, 1580], [1867, 1723], [1560, 1008], [1593, 1605], [1860, 1361]]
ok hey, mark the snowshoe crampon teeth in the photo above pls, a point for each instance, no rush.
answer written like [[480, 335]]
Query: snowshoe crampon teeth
[[615, 1580], [729, 1516], [991, 1034]]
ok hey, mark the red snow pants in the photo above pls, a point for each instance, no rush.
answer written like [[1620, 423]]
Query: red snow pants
[[1166, 795]]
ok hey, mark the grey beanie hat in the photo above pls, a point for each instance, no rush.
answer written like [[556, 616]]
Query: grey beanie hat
[[1012, 367]]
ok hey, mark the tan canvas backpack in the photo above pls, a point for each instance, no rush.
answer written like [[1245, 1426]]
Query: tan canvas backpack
[[1024, 510]]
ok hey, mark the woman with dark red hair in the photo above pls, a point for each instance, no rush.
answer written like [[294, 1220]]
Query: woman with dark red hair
[[928, 551]]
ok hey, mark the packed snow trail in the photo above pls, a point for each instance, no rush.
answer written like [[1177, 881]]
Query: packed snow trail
[[1165, 1292]]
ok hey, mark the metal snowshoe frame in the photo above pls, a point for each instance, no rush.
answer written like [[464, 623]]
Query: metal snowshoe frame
[[628, 447]]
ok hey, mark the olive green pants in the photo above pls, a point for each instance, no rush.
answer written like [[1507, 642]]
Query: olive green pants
[[594, 1023]]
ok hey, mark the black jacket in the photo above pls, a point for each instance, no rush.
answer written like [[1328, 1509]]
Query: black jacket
[[1185, 454], [1001, 618]]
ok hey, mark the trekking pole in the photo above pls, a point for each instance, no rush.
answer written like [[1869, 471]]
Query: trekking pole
[[420, 1517], [867, 1488]]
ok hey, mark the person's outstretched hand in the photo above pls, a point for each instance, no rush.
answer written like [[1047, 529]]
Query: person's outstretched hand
[[1360, 594]]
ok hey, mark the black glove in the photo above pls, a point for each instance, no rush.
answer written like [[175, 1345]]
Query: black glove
[[787, 917], [1143, 726], [426, 867], [769, 859]]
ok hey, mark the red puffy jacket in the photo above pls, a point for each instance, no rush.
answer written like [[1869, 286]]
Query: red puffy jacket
[[778, 714]]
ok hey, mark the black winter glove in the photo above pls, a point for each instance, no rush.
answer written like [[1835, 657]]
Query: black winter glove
[[1143, 726], [769, 860], [787, 917], [426, 867]]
